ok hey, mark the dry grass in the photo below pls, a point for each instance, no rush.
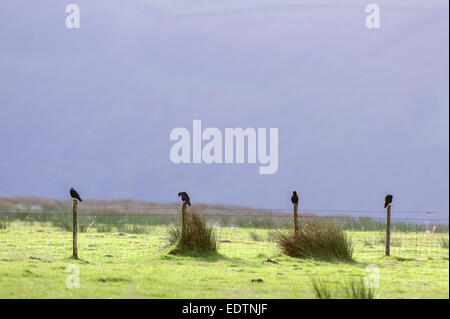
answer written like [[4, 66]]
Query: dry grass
[[318, 239], [199, 238]]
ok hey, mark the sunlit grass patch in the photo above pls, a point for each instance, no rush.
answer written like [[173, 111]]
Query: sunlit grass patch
[[318, 239], [126, 265]]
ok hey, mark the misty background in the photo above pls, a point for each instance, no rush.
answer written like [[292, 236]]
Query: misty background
[[360, 112]]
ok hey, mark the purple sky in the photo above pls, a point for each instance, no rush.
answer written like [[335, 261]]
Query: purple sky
[[360, 112]]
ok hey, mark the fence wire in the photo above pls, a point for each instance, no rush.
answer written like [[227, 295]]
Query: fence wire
[[138, 233]]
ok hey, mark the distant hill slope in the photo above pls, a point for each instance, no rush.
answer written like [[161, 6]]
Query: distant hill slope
[[131, 206]]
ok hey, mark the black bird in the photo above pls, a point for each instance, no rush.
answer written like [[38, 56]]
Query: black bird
[[184, 197], [294, 198], [388, 200], [74, 194]]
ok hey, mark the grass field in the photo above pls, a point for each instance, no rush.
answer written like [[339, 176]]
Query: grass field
[[34, 260]]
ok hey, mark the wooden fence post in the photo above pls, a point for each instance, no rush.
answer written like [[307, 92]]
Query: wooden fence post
[[183, 221], [75, 228], [296, 218], [388, 231]]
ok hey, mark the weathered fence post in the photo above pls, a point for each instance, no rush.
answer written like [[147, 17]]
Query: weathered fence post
[[183, 221], [388, 231], [75, 228], [296, 218]]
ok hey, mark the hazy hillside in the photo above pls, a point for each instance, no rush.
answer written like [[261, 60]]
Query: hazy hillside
[[120, 206]]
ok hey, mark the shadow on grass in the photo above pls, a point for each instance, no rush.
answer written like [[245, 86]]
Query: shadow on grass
[[351, 262], [398, 258], [175, 254], [78, 259]]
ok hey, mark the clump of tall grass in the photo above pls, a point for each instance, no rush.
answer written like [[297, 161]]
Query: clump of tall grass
[[256, 222], [350, 289], [321, 289], [225, 221], [104, 228], [198, 237], [173, 236], [132, 229], [444, 241], [357, 289], [317, 239], [65, 224], [255, 236], [4, 222], [395, 242]]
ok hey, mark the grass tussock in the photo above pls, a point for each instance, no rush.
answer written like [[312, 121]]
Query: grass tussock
[[350, 289], [317, 239], [198, 239], [255, 236], [444, 242], [4, 222]]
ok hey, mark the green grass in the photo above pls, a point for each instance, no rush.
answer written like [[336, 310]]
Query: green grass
[[353, 288], [255, 236], [136, 265], [444, 241], [104, 221], [316, 238], [198, 238], [4, 222]]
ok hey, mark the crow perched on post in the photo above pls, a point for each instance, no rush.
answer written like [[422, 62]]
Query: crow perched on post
[[388, 200], [184, 197], [74, 194], [294, 198]]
